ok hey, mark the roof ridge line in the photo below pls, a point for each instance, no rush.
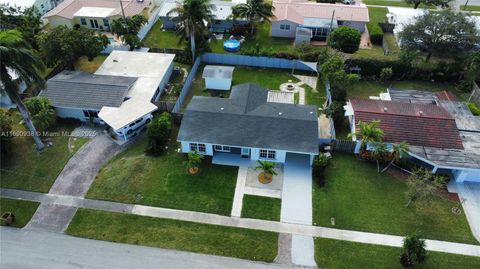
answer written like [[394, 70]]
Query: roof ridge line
[[398, 114]]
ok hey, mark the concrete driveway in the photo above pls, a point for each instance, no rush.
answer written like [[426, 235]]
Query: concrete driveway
[[469, 193], [297, 205]]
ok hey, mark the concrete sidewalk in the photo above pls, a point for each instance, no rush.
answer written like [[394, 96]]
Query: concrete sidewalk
[[207, 218]]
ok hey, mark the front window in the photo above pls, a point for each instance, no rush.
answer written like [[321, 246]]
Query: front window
[[284, 26], [268, 154], [90, 113], [106, 23], [83, 21], [195, 147], [222, 148]]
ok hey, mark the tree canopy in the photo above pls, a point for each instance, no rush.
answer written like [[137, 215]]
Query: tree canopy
[[42, 112], [254, 11], [158, 132], [64, 46], [442, 33], [128, 28], [26, 20], [438, 3], [345, 39]]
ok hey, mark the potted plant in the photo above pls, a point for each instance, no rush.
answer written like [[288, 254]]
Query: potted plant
[[8, 218], [194, 161], [268, 171]]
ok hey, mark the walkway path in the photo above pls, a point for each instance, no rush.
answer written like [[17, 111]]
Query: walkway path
[[239, 191], [74, 180], [264, 225], [469, 193], [45, 250]]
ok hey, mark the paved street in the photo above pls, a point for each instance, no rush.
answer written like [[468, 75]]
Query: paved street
[[27, 249]]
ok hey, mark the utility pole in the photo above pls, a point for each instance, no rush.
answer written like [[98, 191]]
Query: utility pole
[[331, 22], [465, 7], [124, 17]]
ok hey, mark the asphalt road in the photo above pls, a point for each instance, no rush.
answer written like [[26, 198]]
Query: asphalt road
[[25, 249]]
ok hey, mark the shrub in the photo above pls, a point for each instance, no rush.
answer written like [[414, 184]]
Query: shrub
[[319, 164], [386, 74], [158, 132], [474, 108], [413, 251], [42, 112], [377, 15], [345, 39]]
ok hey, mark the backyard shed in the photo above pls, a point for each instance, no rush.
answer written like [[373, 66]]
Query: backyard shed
[[218, 77]]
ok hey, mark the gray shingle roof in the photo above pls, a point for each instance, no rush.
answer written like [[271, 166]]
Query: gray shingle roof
[[246, 119], [218, 71], [73, 89]]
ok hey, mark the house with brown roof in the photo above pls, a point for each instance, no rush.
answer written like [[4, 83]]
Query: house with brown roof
[[96, 14], [305, 20]]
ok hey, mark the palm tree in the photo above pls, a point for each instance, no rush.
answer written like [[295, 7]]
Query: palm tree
[[378, 151], [254, 11], [399, 152], [17, 56], [191, 17], [370, 132]]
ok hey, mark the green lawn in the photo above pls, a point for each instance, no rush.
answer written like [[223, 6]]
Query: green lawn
[[23, 210], [361, 199], [266, 77], [26, 169], [157, 38], [343, 254], [133, 177], [83, 64], [366, 88], [394, 4], [174, 234], [470, 8], [258, 207]]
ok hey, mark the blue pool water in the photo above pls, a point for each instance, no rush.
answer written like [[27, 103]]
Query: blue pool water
[[231, 45], [111, 40]]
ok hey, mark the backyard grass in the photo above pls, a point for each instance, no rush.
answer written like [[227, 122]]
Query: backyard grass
[[28, 170], [314, 97], [23, 210], [258, 207], [470, 8], [83, 64], [133, 177], [394, 4], [174, 234], [157, 38], [360, 199], [366, 88], [331, 253]]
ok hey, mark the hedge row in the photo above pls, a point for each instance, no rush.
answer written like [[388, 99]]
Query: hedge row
[[377, 15]]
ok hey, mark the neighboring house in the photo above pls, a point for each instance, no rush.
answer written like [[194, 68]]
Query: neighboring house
[[222, 23], [96, 14], [442, 133], [305, 21], [246, 125], [5, 100], [218, 77], [119, 94], [45, 6]]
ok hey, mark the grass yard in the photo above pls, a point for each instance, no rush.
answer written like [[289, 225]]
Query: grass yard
[[28, 170], [174, 234], [83, 64], [394, 4], [133, 177], [23, 210], [361, 199], [157, 38], [331, 253], [258, 207], [366, 88], [266, 77], [470, 8]]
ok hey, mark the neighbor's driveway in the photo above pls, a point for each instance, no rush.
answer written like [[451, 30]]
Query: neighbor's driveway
[[469, 192], [78, 174]]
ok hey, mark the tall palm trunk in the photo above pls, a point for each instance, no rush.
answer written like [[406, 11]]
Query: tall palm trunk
[[11, 89], [192, 45]]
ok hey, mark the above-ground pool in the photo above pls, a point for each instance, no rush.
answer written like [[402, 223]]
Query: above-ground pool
[[231, 45]]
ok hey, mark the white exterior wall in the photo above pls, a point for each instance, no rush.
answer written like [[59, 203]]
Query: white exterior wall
[[277, 32], [360, 26], [75, 113], [218, 83]]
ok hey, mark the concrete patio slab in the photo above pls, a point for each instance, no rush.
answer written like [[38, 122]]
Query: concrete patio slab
[[255, 187], [229, 159]]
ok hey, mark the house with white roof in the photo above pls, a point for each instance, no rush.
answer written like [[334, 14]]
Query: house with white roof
[[222, 12], [308, 20], [120, 94], [96, 14]]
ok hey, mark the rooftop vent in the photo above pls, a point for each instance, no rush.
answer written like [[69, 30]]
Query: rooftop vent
[[420, 113], [385, 109], [280, 113], [222, 108], [115, 61], [311, 112]]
